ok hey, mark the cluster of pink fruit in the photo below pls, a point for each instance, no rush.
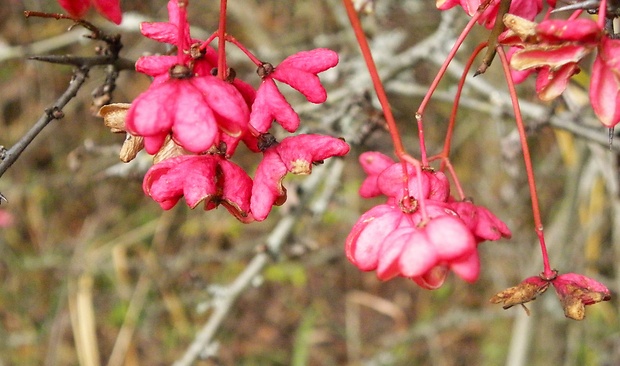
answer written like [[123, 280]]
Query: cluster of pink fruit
[[196, 112], [553, 48], [421, 231]]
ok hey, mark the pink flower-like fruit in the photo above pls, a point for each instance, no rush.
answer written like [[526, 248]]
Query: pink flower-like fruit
[[480, 221], [296, 155], [395, 243], [527, 9], [111, 9], [367, 236], [575, 291], [192, 109], [373, 163], [209, 179], [605, 83], [300, 72], [423, 242], [555, 47], [6, 218]]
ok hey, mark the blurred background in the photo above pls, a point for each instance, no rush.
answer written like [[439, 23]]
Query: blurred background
[[94, 272]]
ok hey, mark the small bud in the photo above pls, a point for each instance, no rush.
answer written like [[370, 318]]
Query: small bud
[[408, 204], [265, 69], [180, 72], [231, 74], [55, 113], [195, 52], [265, 141]]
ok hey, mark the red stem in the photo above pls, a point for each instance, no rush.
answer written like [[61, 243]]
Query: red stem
[[457, 183], [547, 272], [446, 164], [243, 49], [445, 153], [399, 149], [547, 13], [421, 199], [602, 14], [420, 113], [575, 15], [208, 40], [182, 25], [234, 41], [221, 43]]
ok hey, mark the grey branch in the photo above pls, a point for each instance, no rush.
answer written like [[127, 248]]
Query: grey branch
[[225, 297], [50, 114]]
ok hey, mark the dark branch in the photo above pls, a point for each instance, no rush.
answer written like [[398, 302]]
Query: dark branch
[[492, 44], [50, 114], [96, 33], [108, 54], [80, 61]]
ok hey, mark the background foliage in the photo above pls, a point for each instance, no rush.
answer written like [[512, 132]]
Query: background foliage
[[88, 251]]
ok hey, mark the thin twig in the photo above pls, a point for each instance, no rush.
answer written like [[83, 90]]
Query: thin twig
[[492, 42], [226, 297], [79, 61], [50, 114], [108, 55]]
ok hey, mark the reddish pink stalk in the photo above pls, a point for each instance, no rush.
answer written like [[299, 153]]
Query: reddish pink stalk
[[243, 49], [455, 179], [209, 40], [399, 149], [420, 113], [547, 271], [422, 200], [548, 13], [575, 15], [602, 14], [182, 23], [233, 40], [445, 153], [221, 42]]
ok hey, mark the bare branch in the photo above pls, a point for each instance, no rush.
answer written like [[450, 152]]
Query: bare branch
[[106, 55], [311, 202], [120, 63], [225, 297], [50, 114]]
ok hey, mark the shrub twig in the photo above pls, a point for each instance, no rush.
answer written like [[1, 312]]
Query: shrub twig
[[107, 55]]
